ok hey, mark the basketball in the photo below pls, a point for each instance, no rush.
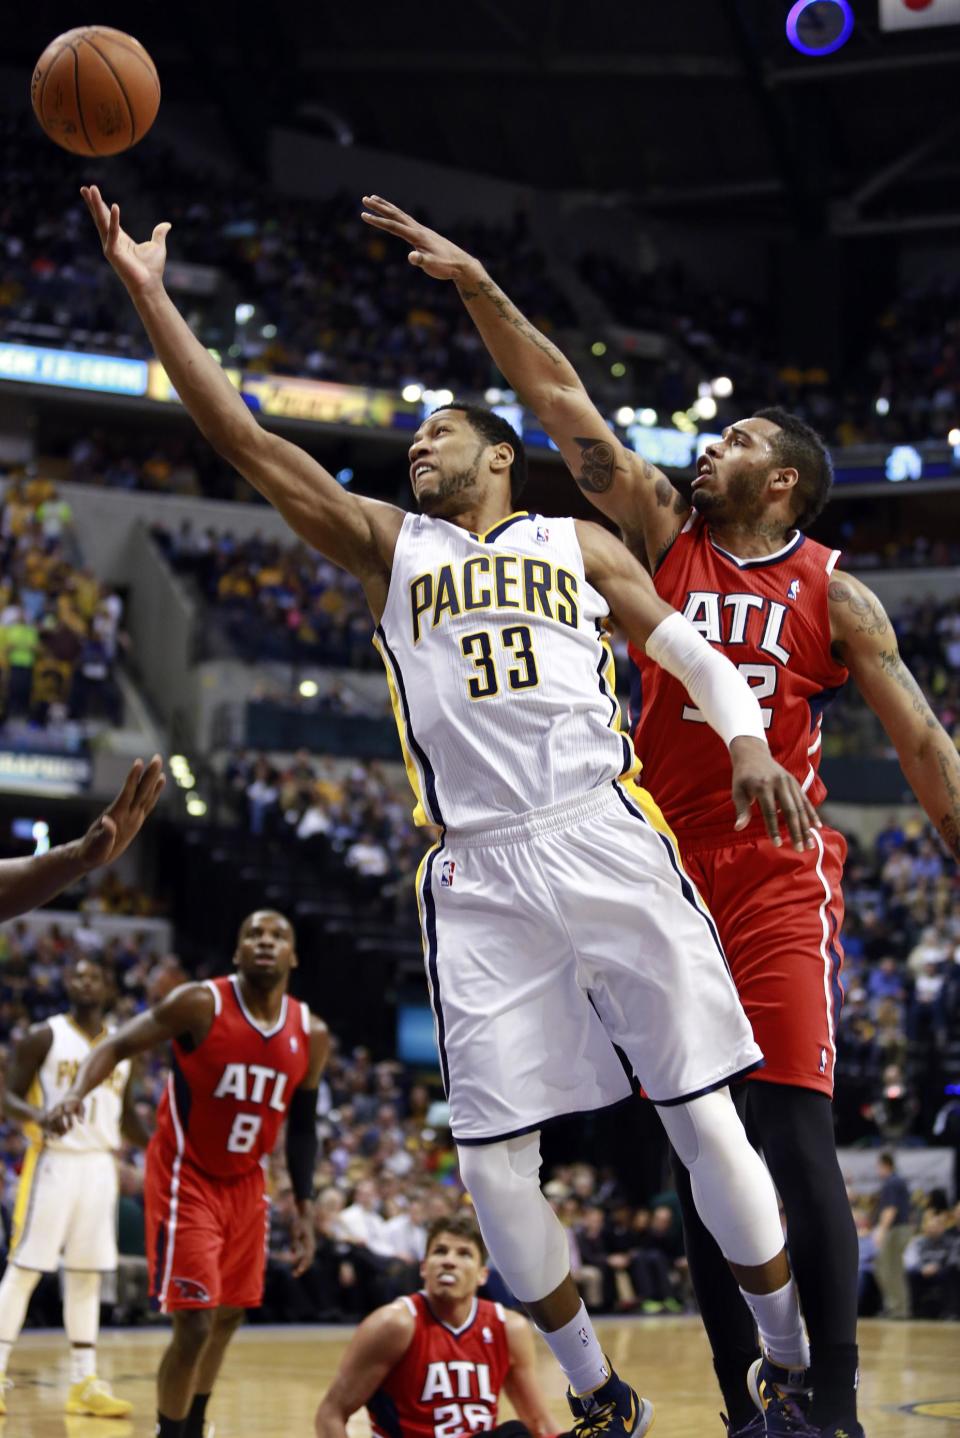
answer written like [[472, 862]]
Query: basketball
[[95, 90]]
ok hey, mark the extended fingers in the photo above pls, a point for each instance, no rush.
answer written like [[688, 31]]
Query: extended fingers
[[768, 807], [147, 783], [788, 793], [98, 210]]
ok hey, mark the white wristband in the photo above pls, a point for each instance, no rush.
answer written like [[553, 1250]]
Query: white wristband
[[718, 689]]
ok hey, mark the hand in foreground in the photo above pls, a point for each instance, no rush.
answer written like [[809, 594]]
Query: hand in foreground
[[759, 779], [117, 827], [138, 266], [303, 1241], [439, 257], [61, 1118]]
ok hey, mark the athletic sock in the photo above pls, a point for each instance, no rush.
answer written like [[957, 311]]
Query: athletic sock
[[834, 1376], [5, 1350], [169, 1427], [195, 1419], [83, 1363], [780, 1326], [576, 1349]]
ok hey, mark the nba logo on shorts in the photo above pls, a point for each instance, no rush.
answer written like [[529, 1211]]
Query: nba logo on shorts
[[447, 869], [543, 534], [823, 1061]]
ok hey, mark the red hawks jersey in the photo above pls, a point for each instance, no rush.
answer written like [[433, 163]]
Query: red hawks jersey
[[449, 1380], [770, 618], [226, 1099]]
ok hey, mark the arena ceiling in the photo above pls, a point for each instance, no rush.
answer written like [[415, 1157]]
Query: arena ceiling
[[682, 106]]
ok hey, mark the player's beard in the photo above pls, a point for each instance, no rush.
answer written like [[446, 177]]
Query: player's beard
[[740, 503], [460, 482]]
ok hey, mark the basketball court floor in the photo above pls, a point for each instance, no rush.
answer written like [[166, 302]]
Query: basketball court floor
[[274, 1376]]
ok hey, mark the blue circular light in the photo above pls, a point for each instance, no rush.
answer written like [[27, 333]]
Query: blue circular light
[[793, 32]]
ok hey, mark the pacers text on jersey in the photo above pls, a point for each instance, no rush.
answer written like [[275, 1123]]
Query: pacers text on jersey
[[494, 581]]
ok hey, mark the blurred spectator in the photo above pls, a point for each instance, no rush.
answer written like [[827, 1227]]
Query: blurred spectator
[[892, 1233]]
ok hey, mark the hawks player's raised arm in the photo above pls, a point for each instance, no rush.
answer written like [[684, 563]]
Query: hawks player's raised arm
[[633, 493], [187, 1010], [864, 639], [521, 1384], [378, 1345], [358, 534], [716, 687]]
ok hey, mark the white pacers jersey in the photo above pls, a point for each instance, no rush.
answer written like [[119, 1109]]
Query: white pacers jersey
[[99, 1130], [500, 672]]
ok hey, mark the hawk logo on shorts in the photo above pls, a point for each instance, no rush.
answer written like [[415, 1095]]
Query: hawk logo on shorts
[[794, 591], [447, 871], [191, 1291]]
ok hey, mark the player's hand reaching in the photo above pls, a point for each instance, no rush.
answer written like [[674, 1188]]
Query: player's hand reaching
[[61, 1118], [303, 1241], [439, 257], [759, 779], [139, 266], [117, 827]]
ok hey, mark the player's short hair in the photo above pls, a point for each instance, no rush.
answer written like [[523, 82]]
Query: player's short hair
[[457, 1225], [276, 914], [799, 447], [496, 430]]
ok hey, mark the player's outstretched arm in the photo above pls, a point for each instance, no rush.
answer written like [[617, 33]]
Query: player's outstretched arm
[[358, 534], [22, 1069], [630, 491], [302, 1147], [521, 1384], [27, 883], [378, 1345], [188, 1010], [864, 639], [716, 687]]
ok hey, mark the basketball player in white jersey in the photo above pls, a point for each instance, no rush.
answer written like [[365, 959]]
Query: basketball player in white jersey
[[557, 918], [66, 1208]]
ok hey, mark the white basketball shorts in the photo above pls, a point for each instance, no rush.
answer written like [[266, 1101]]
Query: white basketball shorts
[[557, 936], [66, 1208]]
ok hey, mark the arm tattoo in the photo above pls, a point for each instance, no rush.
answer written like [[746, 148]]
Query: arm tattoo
[[949, 824], [509, 312], [665, 492], [599, 465], [894, 667], [867, 611]]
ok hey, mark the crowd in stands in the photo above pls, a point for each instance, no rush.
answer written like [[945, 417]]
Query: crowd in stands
[[274, 601], [59, 626], [305, 288]]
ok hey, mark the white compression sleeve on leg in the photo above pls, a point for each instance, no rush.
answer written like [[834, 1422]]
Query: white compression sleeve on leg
[[16, 1288], [523, 1235], [81, 1306], [732, 1189], [716, 687]]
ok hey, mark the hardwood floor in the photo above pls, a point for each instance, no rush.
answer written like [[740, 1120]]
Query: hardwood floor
[[274, 1376]]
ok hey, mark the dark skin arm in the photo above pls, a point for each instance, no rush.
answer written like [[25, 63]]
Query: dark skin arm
[[377, 1346], [356, 533], [27, 884], [303, 1235], [638, 609], [22, 1069], [188, 1010], [864, 640], [132, 1126], [626, 488]]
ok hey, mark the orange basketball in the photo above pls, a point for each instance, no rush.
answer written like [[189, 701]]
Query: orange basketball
[[95, 90]]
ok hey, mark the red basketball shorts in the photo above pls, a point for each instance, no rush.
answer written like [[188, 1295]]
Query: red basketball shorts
[[206, 1238], [779, 915]]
